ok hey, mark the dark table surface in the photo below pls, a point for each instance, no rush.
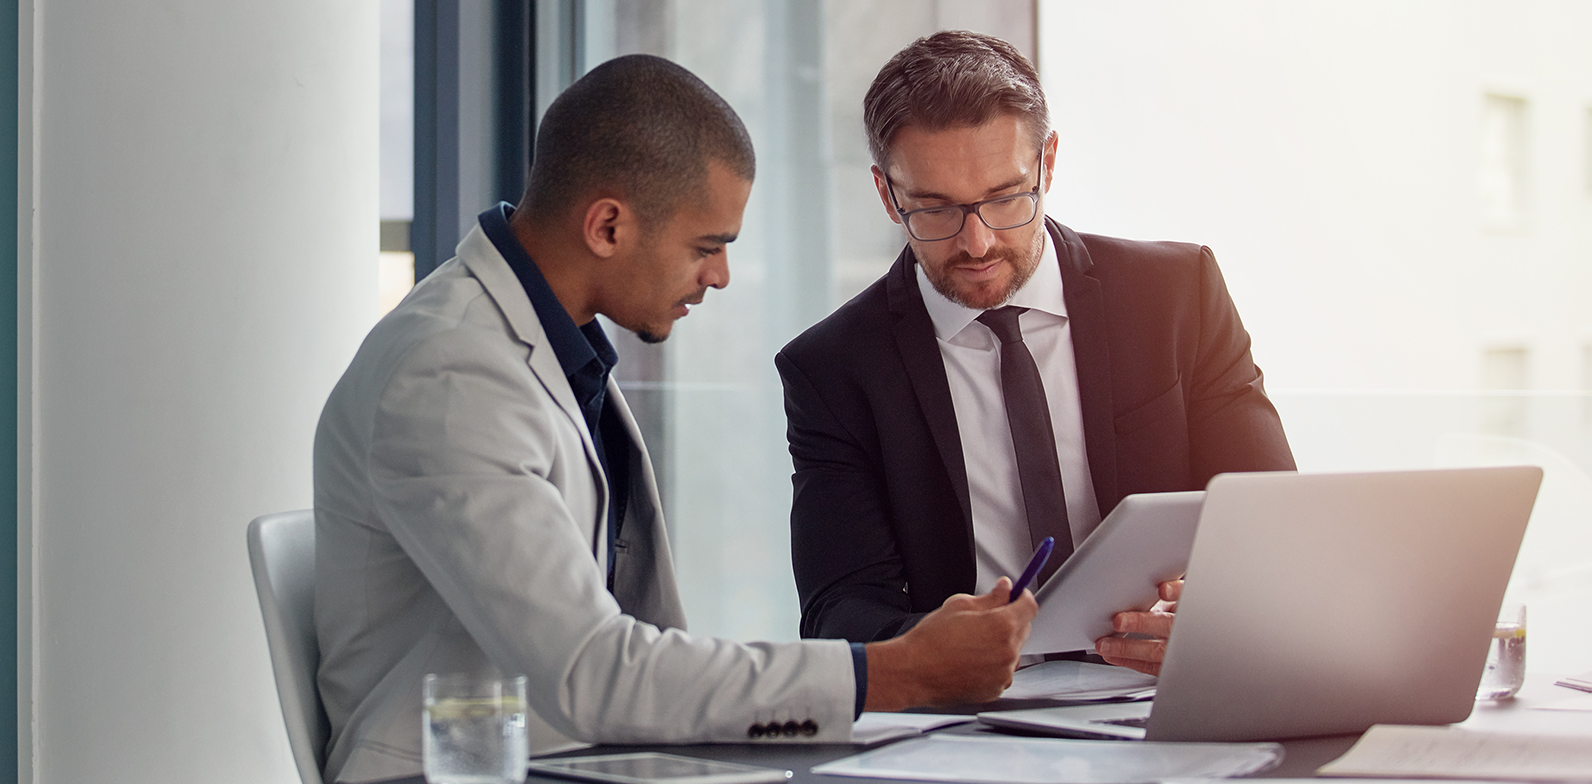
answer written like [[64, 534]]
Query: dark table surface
[[1302, 756]]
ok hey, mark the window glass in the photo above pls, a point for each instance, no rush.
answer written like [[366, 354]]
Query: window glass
[[1502, 177], [1394, 204], [815, 234], [1394, 201], [1586, 148], [396, 274]]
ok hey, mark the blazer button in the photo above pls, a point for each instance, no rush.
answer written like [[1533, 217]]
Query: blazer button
[[791, 728], [755, 731], [809, 728]]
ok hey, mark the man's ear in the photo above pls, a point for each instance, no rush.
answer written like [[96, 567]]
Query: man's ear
[[883, 187], [607, 227], [1051, 143]]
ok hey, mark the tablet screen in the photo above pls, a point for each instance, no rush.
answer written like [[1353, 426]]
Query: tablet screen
[[1144, 541]]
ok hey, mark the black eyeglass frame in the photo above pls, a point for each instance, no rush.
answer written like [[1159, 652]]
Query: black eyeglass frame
[[974, 208]]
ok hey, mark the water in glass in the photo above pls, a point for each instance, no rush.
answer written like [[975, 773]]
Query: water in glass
[[1506, 660], [474, 738]]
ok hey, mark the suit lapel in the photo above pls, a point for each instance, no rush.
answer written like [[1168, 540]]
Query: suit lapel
[[644, 581], [477, 252], [544, 363], [1091, 352], [914, 336]]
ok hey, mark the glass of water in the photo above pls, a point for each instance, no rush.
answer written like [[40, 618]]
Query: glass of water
[[1506, 656], [474, 729]]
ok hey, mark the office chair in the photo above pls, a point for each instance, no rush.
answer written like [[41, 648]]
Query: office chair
[[282, 553]]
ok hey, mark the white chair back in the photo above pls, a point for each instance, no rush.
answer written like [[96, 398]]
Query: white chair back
[[282, 553]]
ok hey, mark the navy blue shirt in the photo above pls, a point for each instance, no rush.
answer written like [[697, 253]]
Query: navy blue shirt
[[587, 357]]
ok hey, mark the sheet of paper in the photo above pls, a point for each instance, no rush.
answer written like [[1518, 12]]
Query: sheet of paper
[[871, 728], [1079, 682], [1002, 760], [1357, 780], [1388, 750], [1582, 681]]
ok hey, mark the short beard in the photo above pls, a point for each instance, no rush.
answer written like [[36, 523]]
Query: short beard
[[648, 336], [941, 278]]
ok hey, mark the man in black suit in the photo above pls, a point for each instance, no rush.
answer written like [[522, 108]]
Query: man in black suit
[[931, 452]]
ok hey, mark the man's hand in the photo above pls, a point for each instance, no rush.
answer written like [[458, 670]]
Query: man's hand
[[1144, 655], [965, 651]]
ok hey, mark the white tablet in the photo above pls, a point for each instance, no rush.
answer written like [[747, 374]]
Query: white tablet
[[650, 767], [1144, 542]]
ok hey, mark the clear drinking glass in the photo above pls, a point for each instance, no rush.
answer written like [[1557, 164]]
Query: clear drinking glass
[[1506, 655], [474, 729]]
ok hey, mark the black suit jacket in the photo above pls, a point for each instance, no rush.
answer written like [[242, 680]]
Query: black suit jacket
[[881, 531]]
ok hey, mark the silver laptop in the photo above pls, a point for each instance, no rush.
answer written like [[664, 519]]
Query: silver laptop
[[1320, 604]]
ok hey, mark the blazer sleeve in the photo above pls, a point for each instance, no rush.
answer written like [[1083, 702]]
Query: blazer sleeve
[[1233, 426], [471, 461], [849, 572]]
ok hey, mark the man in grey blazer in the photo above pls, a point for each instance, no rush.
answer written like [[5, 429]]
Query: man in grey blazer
[[484, 502]]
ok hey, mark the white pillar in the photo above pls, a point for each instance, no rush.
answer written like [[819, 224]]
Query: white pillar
[[204, 263]]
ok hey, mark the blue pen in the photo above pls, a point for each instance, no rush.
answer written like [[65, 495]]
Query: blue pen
[[1041, 555]]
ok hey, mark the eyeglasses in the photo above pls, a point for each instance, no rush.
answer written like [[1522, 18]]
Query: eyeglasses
[[932, 224]]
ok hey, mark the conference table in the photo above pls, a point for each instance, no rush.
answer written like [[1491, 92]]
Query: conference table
[[1301, 759]]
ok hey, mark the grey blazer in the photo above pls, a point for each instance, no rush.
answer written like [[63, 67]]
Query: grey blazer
[[460, 510]]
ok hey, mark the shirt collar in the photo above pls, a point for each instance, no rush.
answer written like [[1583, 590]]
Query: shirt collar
[[575, 347], [1042, 292]]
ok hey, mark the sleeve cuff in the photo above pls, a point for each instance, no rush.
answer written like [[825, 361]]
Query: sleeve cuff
[[859, 662]]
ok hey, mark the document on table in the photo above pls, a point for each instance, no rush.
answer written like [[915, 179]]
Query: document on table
[[871, 728], [1582, 681], [1004, 760], [1078, 682], [1389, 750]]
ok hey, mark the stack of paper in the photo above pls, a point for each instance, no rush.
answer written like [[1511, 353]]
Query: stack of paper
[[1393, 751], [1004, 760], [871, 728], [1582, 681], [1073, 681]]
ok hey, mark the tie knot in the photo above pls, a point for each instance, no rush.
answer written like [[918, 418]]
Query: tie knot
[[1004, 322]]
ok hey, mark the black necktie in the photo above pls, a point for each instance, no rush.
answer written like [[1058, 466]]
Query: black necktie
[[1033, 437]]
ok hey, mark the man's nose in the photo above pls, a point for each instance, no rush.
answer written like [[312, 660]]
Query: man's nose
[[976, 237], [716, 273]]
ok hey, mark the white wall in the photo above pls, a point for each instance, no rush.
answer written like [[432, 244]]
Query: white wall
[[204, 264]]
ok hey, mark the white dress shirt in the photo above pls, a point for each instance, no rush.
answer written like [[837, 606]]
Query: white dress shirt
[[972, 366]]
